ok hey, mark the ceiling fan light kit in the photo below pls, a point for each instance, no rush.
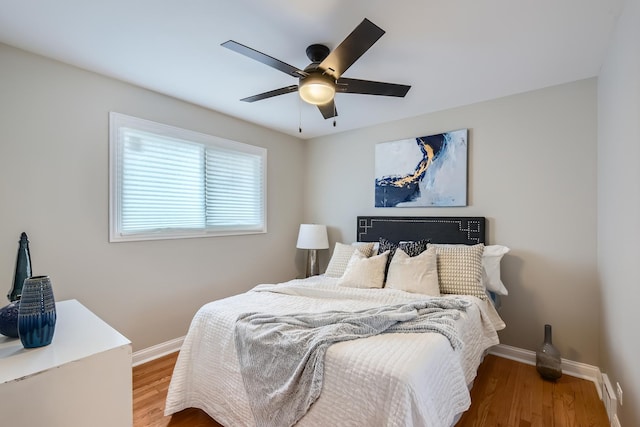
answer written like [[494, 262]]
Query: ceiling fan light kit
[[320, 80], [317, 89]]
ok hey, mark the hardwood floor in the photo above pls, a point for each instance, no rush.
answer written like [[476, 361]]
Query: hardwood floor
[[150, 384], [508, 393], [505, 394]]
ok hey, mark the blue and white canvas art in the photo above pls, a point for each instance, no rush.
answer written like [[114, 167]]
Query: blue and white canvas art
[[424, 171]]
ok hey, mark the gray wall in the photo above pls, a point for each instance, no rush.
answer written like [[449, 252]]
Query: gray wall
[[54, 186], [619, 209], [532, 173]]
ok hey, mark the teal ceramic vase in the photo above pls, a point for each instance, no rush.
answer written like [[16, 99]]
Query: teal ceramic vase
[[23, 268], [37, 312]]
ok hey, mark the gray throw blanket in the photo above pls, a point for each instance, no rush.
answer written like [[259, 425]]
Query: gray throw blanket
[[282, 357]]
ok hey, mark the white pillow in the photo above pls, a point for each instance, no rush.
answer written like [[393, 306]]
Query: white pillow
[[364, 272], [418, 274], [341, 256], [491, 258]]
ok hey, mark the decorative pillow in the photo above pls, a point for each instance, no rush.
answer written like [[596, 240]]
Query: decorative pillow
[[341, 256], [364, 272], [375, 246], [460, 269], [418, 274], [491, 258], [410, 248]]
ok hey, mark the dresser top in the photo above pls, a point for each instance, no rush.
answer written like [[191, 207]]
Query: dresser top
[[79, 334]]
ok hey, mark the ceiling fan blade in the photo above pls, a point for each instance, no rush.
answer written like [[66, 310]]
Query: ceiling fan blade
[[368, 87], [352, 48], [328, 110], [271, 93], [264, 58]]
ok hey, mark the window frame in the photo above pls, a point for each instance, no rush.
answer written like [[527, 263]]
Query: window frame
[[117, 121]]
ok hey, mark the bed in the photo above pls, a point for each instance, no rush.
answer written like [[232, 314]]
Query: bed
[[395, 378]]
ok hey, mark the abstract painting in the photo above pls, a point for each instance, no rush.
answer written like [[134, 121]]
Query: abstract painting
[[424, 171]]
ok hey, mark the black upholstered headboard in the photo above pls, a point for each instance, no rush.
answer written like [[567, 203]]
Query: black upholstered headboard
[[436, 229]]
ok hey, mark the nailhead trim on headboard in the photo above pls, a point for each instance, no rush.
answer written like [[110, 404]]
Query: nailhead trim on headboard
[[467, 230]]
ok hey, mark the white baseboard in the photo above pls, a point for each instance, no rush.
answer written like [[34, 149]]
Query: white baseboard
[[156, 351], [569, 367], [615, 422]]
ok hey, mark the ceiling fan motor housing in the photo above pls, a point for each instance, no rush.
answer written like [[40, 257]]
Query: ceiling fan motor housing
[[317, 52]]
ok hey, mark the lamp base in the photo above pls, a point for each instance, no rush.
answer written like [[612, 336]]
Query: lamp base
[[312, 263]]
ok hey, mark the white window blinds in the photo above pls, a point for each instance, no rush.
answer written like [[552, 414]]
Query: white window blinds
[[161, 183], [168, 182], [233, 189]]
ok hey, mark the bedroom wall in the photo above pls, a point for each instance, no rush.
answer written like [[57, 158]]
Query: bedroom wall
[[619, 209], [532, 173], [54, 186]]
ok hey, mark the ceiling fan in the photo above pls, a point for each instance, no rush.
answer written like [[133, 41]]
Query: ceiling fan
[[320, 80]]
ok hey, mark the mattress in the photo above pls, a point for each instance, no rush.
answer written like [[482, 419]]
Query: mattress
[[392, 379]]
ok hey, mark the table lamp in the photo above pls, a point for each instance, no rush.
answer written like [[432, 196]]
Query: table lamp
[[312, 237]]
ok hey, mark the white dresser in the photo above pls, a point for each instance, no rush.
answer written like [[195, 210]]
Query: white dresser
[[83, 378]]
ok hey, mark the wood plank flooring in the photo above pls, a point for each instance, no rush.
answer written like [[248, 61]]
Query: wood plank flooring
[[505, 394], [508, 393]]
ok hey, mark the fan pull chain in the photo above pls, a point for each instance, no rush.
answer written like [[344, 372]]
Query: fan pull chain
[[299, 115], [335, 112]]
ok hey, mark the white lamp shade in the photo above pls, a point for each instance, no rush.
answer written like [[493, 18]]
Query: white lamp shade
[[312, 236]]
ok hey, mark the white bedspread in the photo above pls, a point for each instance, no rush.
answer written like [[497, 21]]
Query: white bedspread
[[393, 379]]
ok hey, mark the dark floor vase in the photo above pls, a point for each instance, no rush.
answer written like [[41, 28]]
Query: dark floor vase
[[548, 361], [37, 313]]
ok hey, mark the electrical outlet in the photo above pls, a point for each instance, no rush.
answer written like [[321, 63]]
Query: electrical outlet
[[619, 389]]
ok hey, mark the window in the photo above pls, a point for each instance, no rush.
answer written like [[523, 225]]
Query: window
[[167, 182]]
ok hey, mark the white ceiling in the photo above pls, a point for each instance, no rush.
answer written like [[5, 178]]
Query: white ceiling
[[452, 52]]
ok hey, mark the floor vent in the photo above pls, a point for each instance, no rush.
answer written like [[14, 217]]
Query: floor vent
[[609, 398]]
